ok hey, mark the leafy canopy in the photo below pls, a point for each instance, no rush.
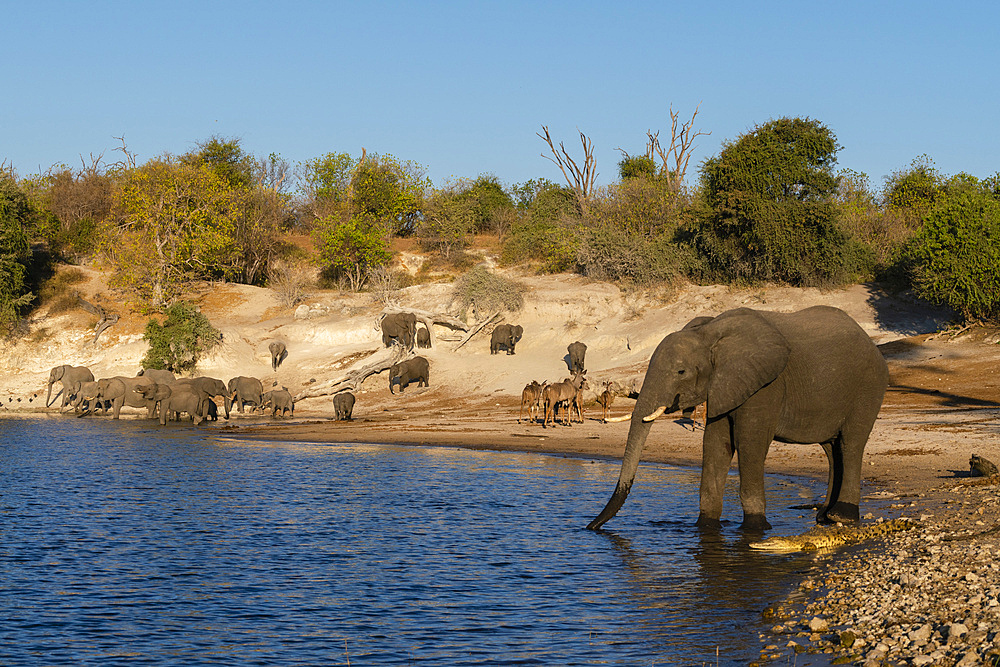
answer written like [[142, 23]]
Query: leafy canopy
[[773, 216]]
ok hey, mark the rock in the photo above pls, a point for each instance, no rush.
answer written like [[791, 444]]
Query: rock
[[302, 312], [817, 624], [956, 630], [970, 658], [921, 634], [921, 660]]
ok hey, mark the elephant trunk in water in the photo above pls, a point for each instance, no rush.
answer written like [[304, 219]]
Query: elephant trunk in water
[[643, 415]]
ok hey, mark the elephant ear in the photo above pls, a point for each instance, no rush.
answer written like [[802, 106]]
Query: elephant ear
[[747, 354]]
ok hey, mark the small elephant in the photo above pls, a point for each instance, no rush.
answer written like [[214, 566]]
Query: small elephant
[[246, 390], [279, 400], [813, 376], [71, 378], [577, 354], [278, 353], [505, 335], [343, 406], [423, 337], [213, 387], [86, 399], [399, 326], [177, 398], [408, 371]]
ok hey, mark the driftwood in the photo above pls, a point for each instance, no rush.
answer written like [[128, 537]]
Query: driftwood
[[354, 376], [106, 319], [426, 317], [476, 329]]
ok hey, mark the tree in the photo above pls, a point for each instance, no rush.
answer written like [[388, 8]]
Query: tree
[[773, 216], [15, 252], [171, 221], [388, 190], [227, 159], [580, 179], [956, 253], [450, 216], [674, 159], [353, 248]]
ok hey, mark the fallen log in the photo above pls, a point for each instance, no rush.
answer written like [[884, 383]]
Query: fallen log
[[355, 375], [476, 329]]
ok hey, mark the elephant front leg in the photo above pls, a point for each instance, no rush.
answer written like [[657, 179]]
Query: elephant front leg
[[753, 431], [716, 457]]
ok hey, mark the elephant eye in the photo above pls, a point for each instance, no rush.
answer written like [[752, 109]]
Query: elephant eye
[[680, 372]]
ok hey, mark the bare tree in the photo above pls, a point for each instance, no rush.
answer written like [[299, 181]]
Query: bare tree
[[581, 179], [676, 156]]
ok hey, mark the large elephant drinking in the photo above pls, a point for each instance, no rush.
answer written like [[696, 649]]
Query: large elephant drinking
[[813, 376], [71, 378]]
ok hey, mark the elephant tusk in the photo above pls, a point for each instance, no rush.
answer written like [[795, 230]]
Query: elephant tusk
[[656, 413], [623, 418]]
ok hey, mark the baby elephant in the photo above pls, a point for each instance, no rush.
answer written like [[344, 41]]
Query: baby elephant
[[415, 369], [279, 399], [423, 337], [278, 354], [343, 405]]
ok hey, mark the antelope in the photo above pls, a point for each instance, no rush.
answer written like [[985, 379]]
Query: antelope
[[561, 392], [530, 396], [605, 399]]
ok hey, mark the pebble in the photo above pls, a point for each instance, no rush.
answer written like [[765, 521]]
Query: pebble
[[929, 596]]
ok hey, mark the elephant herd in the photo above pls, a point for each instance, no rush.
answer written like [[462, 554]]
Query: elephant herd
[[160, 393]]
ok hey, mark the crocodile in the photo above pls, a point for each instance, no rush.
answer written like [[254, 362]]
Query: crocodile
[[981, 467], [827, 537]]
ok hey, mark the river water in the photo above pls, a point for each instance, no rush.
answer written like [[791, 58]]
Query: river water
[[125, 543]]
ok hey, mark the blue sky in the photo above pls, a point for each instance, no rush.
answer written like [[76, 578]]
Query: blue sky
[[462, 87]]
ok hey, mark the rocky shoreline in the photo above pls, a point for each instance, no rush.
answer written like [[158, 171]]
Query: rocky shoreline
[[929, 596]]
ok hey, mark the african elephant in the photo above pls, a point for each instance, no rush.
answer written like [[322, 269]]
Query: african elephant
[[278, 354], [343, 405], [213, 387], [244, 390], [122, 391], [177, 398], [86, 398], [279, 400], [71, 377], [813, 376], [402, 326], [505, 335], [157, 375], [408, 371], [423, 337], [577, 354]]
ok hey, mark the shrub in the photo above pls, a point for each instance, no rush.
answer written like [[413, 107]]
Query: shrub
[[619, 255], [487, 291], [955, 257], [183, 338]]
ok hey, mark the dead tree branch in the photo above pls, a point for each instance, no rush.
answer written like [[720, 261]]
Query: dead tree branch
[[106, 319], [676, 156], [581, 179], [479, 327], [354, 376]]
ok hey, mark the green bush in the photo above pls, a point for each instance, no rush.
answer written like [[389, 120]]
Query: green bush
[[955, 257], [773, 211], [488, 291], [183, 338]]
